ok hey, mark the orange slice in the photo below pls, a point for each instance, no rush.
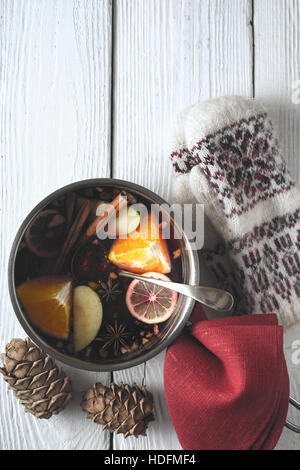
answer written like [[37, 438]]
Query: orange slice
[[48, 302], [143, 250], [150, 303]]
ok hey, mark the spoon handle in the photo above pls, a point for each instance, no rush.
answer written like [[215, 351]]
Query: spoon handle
[[217, 299]]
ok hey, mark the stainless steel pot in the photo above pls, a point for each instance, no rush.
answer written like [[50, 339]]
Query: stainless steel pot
[[190, 271]]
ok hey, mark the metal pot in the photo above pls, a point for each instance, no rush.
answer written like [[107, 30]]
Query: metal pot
[[190, 273]]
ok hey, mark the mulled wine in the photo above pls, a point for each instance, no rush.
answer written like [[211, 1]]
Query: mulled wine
[[67, 274]]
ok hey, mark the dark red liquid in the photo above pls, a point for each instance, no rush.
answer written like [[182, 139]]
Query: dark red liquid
[[88, 264]]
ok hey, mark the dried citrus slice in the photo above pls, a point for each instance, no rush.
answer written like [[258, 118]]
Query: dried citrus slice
[[143, 250], [150, 303], [48, 302], [46, 232]]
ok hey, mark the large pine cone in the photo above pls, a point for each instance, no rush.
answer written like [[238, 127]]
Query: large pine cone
[[119, 408], [40, 385]]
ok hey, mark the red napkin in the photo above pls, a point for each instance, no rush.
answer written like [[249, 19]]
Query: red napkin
[[226, 383]]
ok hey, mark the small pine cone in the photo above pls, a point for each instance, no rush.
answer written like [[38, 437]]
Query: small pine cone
[[41, 386], [119, 408]]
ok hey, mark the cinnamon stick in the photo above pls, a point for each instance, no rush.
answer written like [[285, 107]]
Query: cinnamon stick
[[102, 220], [70, 205], [73, 235]]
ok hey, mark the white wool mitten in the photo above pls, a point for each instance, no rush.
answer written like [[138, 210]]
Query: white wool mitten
[[226, 156]]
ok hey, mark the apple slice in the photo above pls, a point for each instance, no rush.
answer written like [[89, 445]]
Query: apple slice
[[87, 316], [127, 220]]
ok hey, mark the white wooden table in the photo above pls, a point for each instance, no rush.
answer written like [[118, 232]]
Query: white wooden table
[[87, 88]]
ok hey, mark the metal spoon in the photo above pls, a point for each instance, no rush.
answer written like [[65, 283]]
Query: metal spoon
[[217, 299]]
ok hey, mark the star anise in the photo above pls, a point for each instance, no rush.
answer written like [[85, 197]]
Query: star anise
[[116, 336], [109, 290]]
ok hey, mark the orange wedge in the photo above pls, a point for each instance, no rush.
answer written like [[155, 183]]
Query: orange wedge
[[48, 302], [143, 250]]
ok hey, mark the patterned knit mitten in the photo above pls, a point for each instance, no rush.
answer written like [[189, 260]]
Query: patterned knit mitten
[[225, 155]]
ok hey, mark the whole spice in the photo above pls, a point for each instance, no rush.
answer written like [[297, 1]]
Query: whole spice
[[109, 290], [88, 352], [156, 329], [70, 205], [116, 336], [129, 349], [73, 234]]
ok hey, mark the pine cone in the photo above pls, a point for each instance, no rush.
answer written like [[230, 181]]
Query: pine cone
[[119, 408], [41, 386]]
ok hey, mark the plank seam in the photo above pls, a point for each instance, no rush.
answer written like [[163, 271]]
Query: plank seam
[[112, 86], [113, 28], [252, 24]]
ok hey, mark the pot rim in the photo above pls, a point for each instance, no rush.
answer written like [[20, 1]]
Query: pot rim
[[67, 359]]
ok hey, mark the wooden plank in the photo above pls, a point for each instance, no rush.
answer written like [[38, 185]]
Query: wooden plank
[[277, 75], [277, 71], [169, 54], [55, 78]]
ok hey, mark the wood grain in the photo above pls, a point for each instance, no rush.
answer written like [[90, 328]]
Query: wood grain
[[169, 54], [55, 95], [277, 71]]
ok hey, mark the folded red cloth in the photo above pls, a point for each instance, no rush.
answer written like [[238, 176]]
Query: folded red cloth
[[226, 383]]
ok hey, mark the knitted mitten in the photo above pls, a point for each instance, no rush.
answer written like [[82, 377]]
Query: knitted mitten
[[226, 156]]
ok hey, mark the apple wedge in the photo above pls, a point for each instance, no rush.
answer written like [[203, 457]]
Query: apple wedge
[[127, 220], [87, 316]]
